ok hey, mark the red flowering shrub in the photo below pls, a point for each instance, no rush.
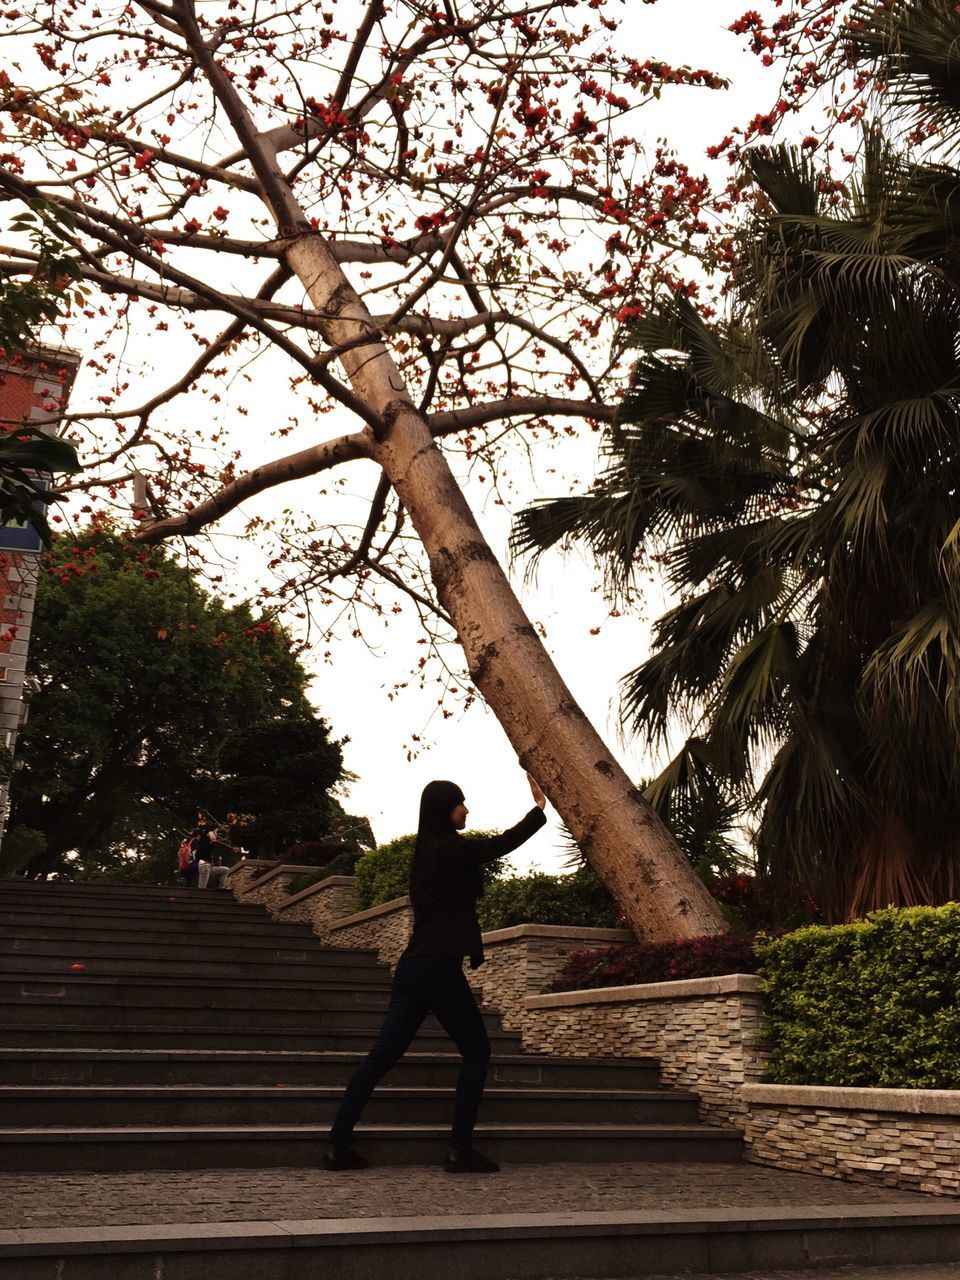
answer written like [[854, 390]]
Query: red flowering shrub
[[619, 966]]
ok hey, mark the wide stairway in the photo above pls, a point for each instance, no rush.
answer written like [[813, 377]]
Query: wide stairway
[[152, 1028], [170, 1061]]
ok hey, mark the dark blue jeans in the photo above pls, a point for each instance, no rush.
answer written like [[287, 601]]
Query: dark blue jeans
[[422, 985]]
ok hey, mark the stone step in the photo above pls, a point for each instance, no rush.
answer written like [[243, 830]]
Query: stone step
[[86, 988], [616, 1245], [264, 1067], [22, 896], [260, 941], [49, 890], [150, 1036], [23, 1106], [118, 1012], [176, 948], [57, 892], [261, 1146], [167, 964], [132, 924]]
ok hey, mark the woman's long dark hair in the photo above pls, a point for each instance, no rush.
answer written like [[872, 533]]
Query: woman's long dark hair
[[437, 803]]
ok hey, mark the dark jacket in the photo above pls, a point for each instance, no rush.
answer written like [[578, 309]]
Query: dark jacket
[[204, 848], [445, 883]]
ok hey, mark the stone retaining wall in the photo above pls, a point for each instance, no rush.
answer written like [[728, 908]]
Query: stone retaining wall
[[386, 929], [526, 958], [242, 875], [707, 1032], [320, 905], [272, 888], [907, 1138]]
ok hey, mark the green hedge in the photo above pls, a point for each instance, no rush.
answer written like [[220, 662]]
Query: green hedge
[[384, 873], [577, 899], [871, 1004]]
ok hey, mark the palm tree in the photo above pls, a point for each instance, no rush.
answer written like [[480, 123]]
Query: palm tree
[[797, 467]]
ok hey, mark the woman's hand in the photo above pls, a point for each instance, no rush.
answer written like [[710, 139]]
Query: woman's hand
[[539, 799]]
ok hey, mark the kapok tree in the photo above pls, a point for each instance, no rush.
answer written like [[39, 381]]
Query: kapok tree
[[429, 211]]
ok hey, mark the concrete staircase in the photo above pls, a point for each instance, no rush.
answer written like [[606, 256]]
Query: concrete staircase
[[151, 1028], [164, 1029]]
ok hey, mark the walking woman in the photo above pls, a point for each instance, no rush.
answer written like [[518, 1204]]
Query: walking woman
[[445, 883]]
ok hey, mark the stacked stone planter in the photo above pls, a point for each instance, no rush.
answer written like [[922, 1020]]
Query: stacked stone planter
[[908, 1138]]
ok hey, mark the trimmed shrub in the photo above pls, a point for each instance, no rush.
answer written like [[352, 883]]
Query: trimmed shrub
[[868, 1004], [577, 899], [344, 864], [383, 873], [622, 966]]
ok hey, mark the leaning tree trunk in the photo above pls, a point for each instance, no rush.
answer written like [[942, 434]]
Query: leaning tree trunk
[[620, 835]]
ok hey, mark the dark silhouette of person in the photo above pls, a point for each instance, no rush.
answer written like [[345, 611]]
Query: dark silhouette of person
[[445, 883]]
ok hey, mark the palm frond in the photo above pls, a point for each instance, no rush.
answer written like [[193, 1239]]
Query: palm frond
[[914, 45], [698, 804], [676, 326], [917, 671], [758, 676], [788, 176]]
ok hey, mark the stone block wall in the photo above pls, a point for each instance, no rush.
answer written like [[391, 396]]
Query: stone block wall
[[272, 888], [526, 958], [707, 1032], [906, 1138], [385, 929], [242, 874], [320, 905]]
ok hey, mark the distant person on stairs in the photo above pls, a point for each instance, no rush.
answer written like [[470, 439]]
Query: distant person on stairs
[[209, 867], [445, 883]]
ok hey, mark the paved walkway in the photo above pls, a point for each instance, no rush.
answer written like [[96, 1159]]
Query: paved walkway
[[38, 1200]]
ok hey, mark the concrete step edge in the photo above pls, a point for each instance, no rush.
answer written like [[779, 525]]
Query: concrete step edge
[[354, 1232], [60, 1092], [302, 1055], [364, 1133], [82, 987], [523, 1246]]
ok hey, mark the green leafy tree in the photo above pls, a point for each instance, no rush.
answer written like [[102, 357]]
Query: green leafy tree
[[384, 873], [796, 468], [277, 776], [142, 677]]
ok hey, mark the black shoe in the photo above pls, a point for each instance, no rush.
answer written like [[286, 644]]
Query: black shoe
[[469, 1161], [335, 1159]]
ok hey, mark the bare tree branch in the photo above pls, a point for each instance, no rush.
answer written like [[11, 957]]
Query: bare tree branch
[[295, 466], [134, 146], [362, 552], [477, 415], [216, 348], [346, 448]]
